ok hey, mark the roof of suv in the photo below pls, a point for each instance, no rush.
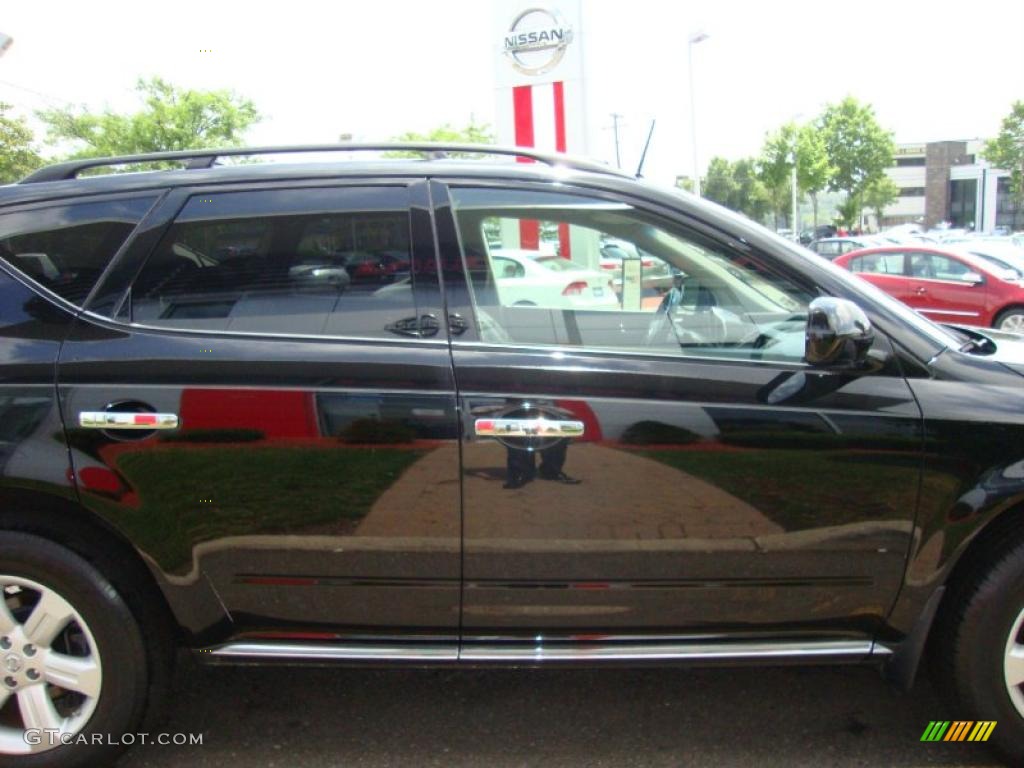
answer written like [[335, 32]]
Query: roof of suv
[[328, 160]]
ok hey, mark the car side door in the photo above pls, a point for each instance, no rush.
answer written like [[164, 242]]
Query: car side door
[[266, 426], [886, 269], [946, 289], [668, 469]]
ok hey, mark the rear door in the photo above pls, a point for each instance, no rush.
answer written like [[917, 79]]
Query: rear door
[[886, 269], [666, 467], [261, 414]]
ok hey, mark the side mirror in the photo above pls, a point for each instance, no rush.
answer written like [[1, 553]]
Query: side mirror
[[839, 334], [974, 278]]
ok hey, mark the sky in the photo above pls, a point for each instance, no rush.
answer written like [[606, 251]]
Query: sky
[[932, 70]]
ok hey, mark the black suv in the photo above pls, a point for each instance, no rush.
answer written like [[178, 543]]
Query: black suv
[[291, 412]]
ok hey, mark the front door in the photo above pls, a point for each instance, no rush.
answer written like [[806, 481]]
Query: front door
[[662, 464], [267, 411], [946, 289]]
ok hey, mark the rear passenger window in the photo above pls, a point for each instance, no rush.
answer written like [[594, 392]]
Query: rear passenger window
[[66, 247], [878, 263], [325, 261]]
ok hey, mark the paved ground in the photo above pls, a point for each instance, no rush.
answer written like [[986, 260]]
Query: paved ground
[[613, 717]]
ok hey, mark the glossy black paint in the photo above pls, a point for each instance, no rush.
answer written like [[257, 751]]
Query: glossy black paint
[[941, 432]]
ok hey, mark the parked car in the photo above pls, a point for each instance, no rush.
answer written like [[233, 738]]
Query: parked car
[[528, 279], [945, 285], [817, 233], [200, 452], [831, 247]]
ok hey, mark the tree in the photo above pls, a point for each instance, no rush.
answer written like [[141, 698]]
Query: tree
[[17, 157], [172, 118], [719, 184], [775, 168], [736, 186], [858, 148], [472, 133], [813, 169], [1006, 151], [848, 212], [879, 193]]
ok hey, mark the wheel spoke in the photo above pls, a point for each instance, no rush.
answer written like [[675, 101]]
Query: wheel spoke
[[75, 673], [37, 710], [7, 621], [1013, 667], [48, 618]]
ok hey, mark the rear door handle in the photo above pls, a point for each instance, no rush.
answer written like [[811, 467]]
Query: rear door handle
[[125, 420], [921, 290], [528, 428]]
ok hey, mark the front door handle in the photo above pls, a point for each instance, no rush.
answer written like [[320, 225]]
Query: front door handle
[[127, 420], [920, 290], [528, 428]]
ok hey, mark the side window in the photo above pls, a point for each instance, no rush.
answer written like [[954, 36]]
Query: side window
[[570, 270], [326, 261], [66, 247], [878, 263], [935, 266]]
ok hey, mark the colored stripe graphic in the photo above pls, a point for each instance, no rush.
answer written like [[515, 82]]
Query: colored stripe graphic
[[935, 731], [958, 730], [558, 92]]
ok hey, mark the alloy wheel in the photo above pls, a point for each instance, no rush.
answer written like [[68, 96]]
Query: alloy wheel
[[50, 671]]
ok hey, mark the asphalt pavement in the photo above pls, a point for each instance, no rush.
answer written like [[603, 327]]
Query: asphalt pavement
[[789, 716]]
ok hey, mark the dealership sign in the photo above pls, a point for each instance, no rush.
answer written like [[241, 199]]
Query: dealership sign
[[537, 40]]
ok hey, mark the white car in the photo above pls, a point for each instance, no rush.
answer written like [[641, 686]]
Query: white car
[[525, 278]]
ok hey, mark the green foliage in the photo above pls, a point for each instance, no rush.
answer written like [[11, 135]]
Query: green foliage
[[879, 193], [736, 186], [856, 145], [17, 157], [1006, 151], [859, 150], [171, 119], [848, 211], [813, 168], [775, 167], [472, 133]]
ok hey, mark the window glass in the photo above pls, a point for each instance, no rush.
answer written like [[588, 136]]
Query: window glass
[[934, 266], [67, 247], [568, 270], [878, 263], [299, 261]]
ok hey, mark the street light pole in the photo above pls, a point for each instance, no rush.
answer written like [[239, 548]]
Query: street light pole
[[695, 38], [794, 224]]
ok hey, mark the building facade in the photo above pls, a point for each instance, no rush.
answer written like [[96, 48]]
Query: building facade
[[950, 182]]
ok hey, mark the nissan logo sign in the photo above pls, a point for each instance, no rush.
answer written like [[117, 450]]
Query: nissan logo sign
[[537, 40]]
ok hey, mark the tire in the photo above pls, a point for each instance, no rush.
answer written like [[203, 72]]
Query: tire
[[95, 625], [971, 646], [1013, 318]]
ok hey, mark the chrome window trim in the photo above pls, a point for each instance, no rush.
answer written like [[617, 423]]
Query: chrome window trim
[[260, 334]]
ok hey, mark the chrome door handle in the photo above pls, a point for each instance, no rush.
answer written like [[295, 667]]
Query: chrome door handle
[[127, 420], [920, 291], [528, 428]]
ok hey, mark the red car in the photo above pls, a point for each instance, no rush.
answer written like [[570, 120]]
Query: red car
[[946, 286]]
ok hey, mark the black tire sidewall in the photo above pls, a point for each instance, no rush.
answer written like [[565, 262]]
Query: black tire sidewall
[[980, 650], [118, 643]]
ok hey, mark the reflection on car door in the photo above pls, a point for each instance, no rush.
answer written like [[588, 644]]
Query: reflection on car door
[[308, 472], [623, 492]]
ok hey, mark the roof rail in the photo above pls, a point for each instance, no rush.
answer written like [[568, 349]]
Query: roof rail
[[205, 158]]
